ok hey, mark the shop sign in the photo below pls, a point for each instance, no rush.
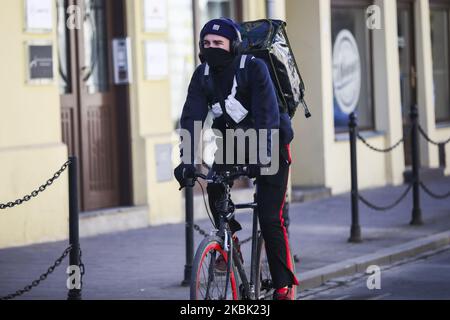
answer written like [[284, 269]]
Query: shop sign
[[346, 71]]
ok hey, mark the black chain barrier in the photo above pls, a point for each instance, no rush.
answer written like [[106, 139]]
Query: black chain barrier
[[73, 243], [432, 194], [35, 193], [379, 149], [44, 276], [424, 134], [393, 205]]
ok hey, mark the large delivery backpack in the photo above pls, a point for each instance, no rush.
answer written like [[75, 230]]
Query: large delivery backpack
[[267, 39]]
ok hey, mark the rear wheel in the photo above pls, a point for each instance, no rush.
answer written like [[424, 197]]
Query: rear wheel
[[208, 279], [264, 285]]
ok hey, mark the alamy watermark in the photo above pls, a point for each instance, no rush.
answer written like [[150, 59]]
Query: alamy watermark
[[74, 279], [374, 280], [74, 17], [237, 147], [373, 17]]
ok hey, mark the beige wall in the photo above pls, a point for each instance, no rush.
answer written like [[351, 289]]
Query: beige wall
[[30, 140], [254, 9], [151, 123], [308, 147], [424, 61]]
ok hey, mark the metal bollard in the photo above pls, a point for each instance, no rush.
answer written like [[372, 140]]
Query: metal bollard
[[189, 195], [355, 230], [415, 155], [74, 257]]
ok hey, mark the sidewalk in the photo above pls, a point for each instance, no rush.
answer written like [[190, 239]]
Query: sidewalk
[[148, 263]]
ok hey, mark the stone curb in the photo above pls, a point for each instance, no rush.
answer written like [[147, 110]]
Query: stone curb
[[315, 278]]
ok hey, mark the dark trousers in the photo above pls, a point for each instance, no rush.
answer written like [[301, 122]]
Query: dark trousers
[[270, 198]]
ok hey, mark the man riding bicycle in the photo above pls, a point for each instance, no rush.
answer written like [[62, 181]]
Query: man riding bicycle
[[256, 108]]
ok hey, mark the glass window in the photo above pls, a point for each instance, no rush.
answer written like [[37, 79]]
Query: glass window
[[352, 63], [95, 46], [440, 51], [210, 9], [181, 51]]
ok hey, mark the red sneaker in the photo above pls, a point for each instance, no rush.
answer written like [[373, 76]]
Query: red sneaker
[[283, 294]]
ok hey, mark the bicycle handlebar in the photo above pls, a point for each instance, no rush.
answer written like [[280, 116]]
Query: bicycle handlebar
[[227, 175]]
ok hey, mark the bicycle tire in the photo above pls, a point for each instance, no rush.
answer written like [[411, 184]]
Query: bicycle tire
[[263, 277], [212, 245]]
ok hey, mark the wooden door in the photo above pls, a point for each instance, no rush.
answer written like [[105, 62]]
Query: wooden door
[[89, 108]]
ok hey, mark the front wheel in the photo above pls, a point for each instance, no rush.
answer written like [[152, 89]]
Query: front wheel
[[208, 279]]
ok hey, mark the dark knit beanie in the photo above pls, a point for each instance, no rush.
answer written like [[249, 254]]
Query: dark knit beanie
[[222, 27]]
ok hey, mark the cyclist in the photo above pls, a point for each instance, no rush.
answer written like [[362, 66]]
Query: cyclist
[[219, 52]]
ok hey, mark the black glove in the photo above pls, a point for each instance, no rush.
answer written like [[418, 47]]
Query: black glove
[[183, 172]]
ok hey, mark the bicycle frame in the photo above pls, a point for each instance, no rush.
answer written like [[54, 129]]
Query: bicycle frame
[[226, 210], [249, 286]]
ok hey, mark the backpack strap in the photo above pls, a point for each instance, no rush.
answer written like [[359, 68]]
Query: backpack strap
[[207, 85], [241, 75]]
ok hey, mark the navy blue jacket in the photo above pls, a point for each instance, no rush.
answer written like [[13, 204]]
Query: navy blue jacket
[[259, 99]]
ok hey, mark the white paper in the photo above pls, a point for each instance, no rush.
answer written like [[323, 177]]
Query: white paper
[[156, 60], [39, 15], [155, 15]]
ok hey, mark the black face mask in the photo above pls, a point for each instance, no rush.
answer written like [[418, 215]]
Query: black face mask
[[217, 58]]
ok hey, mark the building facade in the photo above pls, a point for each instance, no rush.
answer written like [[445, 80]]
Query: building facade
[[106, 80]]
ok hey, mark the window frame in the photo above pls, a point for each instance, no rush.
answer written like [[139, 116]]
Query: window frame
[[442, 5], [238, 14], [342, 4]]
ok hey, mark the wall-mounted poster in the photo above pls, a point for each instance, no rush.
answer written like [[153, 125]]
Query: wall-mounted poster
[[156, 60], [155, 15], [39, 16], [39, 62]]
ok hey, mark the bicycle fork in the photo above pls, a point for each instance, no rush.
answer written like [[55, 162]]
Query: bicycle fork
[[253, 265], [228, 246]]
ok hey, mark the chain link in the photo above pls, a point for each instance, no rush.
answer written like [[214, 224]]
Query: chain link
[[423, 133], [379, 208], [432, 194], [82, 269], [200, 230], [246, 240], [34, 193], [42, 277], [378, 149]]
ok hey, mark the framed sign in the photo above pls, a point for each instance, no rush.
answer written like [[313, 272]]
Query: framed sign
[[346, 71], [39, 16], [156, 60], [39, 60], [155, 15]]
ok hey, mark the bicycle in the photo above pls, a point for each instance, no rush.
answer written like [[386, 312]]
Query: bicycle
[[210, 283]]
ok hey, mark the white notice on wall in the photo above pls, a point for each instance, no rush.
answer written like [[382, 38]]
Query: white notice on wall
[[156, 60], [39, 15], [155, 15]]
